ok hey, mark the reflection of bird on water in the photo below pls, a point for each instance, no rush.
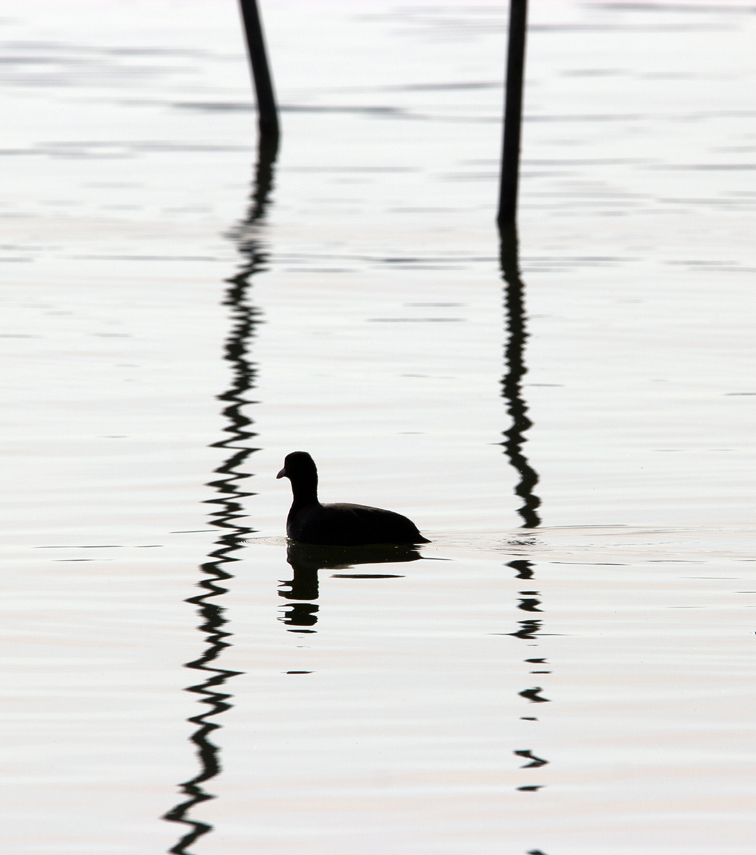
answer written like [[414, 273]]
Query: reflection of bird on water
[[340, 524], [306, 560], [306, 556]]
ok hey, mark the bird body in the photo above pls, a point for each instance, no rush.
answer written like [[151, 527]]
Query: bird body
[[338, 524]]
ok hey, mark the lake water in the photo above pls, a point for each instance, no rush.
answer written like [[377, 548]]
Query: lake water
[[568, 668]]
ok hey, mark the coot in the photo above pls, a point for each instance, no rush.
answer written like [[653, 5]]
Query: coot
[[339, 524]]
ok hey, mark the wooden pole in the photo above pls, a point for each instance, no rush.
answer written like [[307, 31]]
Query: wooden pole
[[267, 113], [510, 158]]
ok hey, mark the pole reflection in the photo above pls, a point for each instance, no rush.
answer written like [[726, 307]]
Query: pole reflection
[[512, 379], [514, 440], [529, 631], [227, 514]]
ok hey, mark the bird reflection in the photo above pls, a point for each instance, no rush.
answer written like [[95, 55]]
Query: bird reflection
[[306, 559], [511, 382], [226, 515]]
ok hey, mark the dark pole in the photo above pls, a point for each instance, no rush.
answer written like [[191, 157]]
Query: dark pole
[[510, 158], [267, 114]]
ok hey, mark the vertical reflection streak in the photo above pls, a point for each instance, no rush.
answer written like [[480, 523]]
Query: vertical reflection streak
[[226, 515], [512, 379], [529, 631], [514, 440]]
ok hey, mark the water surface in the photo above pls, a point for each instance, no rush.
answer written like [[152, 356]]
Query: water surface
[[567, 667]]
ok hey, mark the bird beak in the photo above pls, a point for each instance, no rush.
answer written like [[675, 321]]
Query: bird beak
[[282, 473]]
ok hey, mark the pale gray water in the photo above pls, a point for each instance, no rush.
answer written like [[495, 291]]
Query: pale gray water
[[584, 687]]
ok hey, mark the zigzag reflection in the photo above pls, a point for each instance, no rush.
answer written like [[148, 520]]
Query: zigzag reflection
[[510, 384], [227, 515]]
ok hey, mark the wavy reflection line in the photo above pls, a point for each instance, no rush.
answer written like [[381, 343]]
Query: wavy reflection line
[[227, 514], [512, 380]]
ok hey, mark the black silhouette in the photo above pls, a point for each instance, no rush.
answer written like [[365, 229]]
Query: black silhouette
[[337, 524]]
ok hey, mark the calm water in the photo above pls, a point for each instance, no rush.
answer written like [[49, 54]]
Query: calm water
[[567, 669]]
